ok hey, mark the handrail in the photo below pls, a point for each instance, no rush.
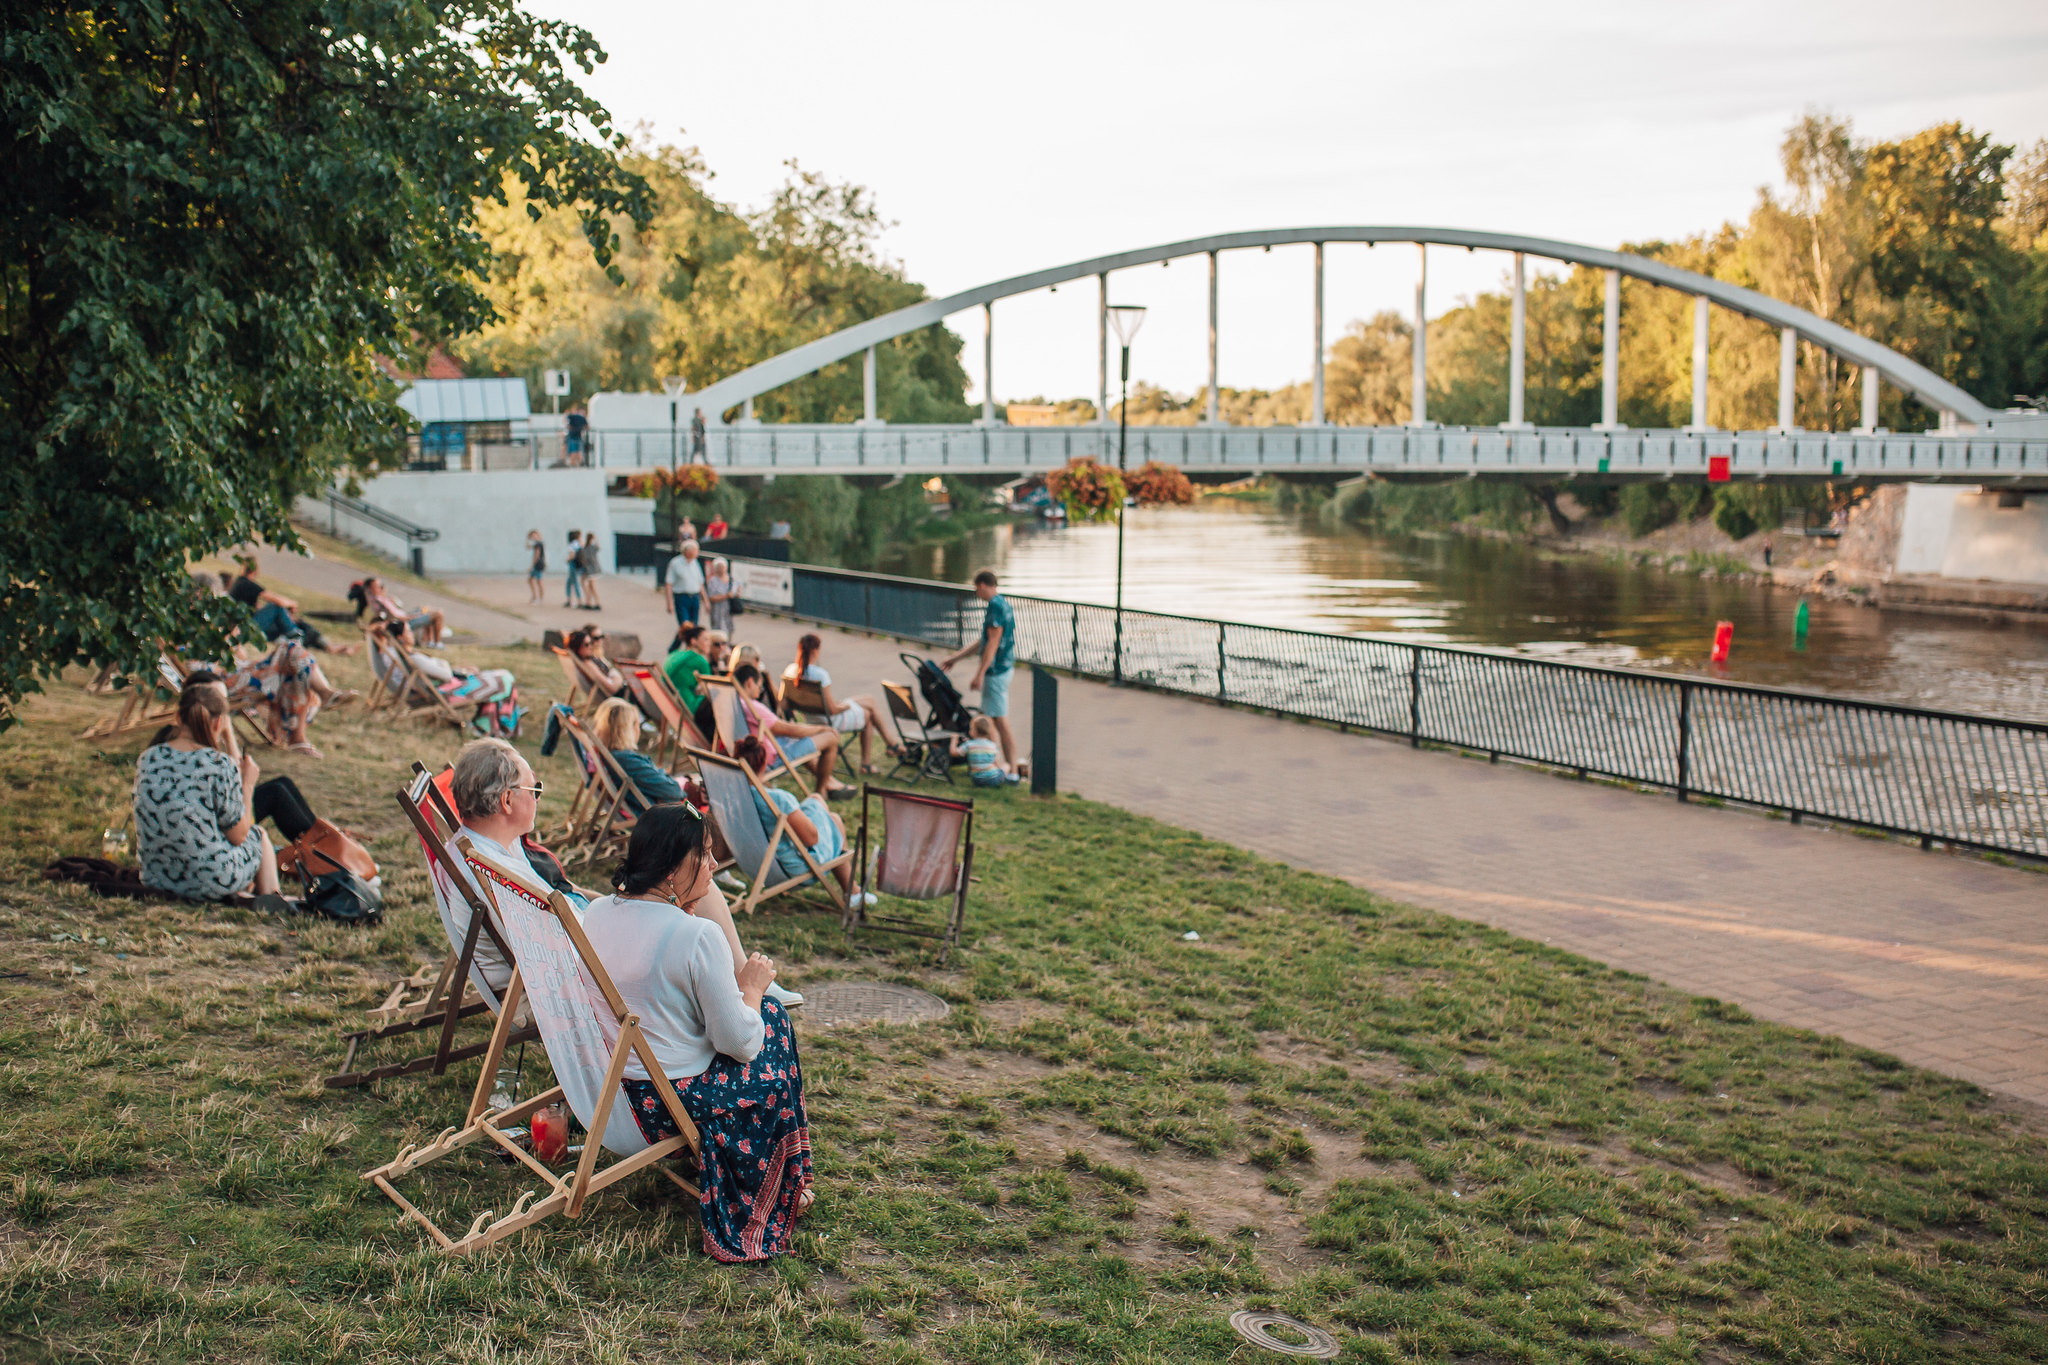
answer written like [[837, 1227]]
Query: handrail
[[379, 517], [1968, 780]]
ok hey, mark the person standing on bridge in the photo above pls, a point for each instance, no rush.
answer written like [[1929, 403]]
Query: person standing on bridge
[[998, 649], [698, 455]]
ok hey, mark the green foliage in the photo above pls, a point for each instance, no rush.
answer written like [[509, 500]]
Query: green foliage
[[216, 217], [705, 290], [1742, 509]]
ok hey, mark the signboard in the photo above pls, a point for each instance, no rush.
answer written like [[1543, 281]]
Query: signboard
[[555, 383], [772, 585]]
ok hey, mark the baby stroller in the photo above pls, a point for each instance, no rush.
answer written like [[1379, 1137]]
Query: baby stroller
[[925, 742]]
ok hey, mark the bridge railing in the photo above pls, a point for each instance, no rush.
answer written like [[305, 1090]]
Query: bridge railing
[[1544, 452], [1971, 781]]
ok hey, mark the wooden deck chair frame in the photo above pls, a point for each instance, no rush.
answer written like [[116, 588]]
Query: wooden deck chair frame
[[765, 880], [567, 1193], [583, 694], [926, 755], [451, 996], [145, 702], [655, 692], [611, 820], [727, 712], [857, 916], [242, 709], [431, 705], [808, 699]]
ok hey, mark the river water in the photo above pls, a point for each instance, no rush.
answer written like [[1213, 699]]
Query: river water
[[1245, 561]]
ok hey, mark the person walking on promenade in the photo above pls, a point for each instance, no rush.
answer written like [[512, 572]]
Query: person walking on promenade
[[684, 584], [572, 591], [698, 455], [593, 565], [537, 567], [997, 646], [718, 595]]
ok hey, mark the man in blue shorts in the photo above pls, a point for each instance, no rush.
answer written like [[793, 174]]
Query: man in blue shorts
[[998, 649]]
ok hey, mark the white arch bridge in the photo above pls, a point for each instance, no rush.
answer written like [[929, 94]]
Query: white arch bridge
[[1972, 444]]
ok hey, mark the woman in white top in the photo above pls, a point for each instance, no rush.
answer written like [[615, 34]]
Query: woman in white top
[[726, 1046], [860, 715]]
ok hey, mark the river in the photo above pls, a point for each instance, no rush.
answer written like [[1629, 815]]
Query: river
[[1246, 561]]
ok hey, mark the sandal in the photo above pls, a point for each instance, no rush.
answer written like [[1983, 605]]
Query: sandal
[[343, 697], [804, 1201], [304, 748]]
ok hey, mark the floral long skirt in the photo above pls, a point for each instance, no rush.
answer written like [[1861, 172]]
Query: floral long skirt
[[757, 1142], [282, 683]]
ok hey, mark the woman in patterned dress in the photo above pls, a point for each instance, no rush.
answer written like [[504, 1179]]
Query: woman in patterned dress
[[195, 825], [667, 940], [288, 686]]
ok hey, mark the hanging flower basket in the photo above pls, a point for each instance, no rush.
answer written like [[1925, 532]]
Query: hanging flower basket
[[1090, 490], [1157, 484], [692, 480]]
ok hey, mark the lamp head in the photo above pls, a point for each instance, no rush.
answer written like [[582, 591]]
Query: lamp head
[[1126, 318], [675, 384]]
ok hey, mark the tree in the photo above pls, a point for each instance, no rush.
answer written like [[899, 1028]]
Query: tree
[[217, 215], [704, 291]]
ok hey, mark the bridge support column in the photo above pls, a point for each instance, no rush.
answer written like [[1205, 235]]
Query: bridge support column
[[988, 364], [1315, 399], [1788, 372], [1418, 400], [1699, 363], [1518, 333], [1210, 412], [1102, 348], [1610, 355], [1870, 381], [867, 387]]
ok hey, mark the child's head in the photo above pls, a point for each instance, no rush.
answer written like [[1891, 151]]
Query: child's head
[[982, 728]]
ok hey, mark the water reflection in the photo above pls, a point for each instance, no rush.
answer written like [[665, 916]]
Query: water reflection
[[1246, 562]]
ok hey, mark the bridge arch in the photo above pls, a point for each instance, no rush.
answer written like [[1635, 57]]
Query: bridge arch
[[1874, 358]]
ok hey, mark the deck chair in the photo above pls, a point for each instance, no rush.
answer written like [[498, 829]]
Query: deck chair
[[583, 694], [150, 701], [926, 854], [459, 990], [655, 693], [730, 785], [732, 725], [413, 692], [588, 1033], [919, 752], [615, 797], [806, 700]]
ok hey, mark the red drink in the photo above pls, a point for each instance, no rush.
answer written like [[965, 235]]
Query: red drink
[[550, 1128]]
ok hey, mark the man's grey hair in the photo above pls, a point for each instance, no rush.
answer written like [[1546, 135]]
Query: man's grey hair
[[484, 772]]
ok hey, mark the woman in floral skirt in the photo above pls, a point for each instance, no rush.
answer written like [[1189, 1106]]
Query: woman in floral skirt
[[668, 940]]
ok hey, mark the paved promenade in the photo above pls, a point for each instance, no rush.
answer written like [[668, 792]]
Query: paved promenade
[[1937, 959]]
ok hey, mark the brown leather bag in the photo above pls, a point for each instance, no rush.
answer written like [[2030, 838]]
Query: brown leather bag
[[333, 846]]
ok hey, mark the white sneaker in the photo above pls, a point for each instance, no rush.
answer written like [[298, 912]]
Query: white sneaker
[[728, 881], [789, 1000], [864, 899]]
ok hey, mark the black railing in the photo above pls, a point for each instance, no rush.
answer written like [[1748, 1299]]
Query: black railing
[[367, 517], [1971, 781]]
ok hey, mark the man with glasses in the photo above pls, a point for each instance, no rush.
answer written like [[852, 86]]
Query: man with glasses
[[498, 798]]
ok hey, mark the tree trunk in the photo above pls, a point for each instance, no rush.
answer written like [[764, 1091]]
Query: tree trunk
[[1547, 495]]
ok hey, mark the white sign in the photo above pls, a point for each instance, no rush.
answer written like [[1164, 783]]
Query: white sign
[[555, 383], [772, 585]]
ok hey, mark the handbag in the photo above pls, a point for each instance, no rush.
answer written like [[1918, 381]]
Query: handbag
[[334, 845], [338, 893]]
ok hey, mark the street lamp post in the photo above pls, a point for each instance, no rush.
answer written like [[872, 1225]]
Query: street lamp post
[[675, 384], [1127, 318]]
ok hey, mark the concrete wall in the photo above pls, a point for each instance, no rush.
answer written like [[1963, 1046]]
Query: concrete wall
[[1963, 534], [483, 518]]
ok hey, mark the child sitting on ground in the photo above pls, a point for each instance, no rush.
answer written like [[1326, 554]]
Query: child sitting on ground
[[984, 755]]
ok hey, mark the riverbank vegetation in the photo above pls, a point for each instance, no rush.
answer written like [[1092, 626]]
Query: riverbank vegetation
[[1434, 1139], [848, 523]]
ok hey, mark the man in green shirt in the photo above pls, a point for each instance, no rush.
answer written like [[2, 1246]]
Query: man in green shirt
[[684, 666]]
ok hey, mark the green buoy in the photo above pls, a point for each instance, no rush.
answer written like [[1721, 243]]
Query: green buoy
[[1799, 625]]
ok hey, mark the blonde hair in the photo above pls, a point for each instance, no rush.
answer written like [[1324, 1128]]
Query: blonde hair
[[745, 654], [981, 727], [617, 724]]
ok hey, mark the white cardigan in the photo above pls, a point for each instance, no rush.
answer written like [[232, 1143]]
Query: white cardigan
[[675, 972]]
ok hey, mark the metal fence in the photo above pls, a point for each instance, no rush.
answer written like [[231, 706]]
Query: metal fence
[[1972, 781]]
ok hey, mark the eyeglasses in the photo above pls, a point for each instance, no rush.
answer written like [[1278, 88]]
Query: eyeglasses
[[537, 788]]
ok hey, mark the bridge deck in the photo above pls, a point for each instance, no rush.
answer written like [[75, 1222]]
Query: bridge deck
[[1394, 452]]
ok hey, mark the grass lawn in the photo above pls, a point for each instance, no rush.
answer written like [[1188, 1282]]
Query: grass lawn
[[1437, 1141]]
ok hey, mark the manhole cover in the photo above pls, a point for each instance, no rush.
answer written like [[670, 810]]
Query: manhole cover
[[835, 1004], [1288, 1336]]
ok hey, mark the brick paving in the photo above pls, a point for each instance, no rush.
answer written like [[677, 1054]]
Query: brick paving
[[1937, 959]]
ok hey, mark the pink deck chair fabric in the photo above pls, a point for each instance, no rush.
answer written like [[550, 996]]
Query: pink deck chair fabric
[[919, 857]]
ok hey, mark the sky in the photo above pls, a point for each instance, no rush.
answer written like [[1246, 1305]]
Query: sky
[[1003, 139]]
